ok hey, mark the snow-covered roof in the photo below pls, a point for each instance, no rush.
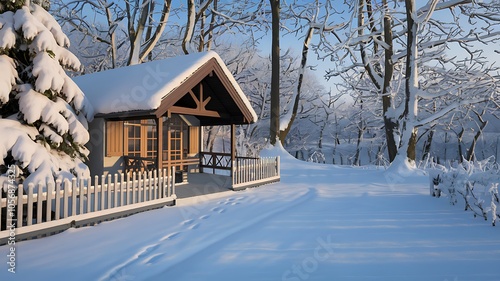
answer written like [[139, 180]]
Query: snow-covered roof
[[144, 86]]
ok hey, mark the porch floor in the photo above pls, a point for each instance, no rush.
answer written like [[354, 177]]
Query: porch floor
[[201, 184]]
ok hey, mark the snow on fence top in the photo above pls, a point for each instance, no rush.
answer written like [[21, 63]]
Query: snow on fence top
[[143, 86]]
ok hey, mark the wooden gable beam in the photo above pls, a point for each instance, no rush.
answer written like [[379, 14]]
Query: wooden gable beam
[[200, 109], [209, 69]]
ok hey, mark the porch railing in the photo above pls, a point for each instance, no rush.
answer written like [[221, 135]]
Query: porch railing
[[245, 171], [51, 209], [215, 161], [254, 172]]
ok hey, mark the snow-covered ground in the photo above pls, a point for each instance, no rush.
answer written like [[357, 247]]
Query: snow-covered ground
[[320, 223]]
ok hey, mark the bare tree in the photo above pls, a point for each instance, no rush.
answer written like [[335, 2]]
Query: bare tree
[[396, 45], [100, 20], [275, 72]]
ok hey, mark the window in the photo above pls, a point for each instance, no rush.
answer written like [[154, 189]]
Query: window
[[141, 138], [133, 139]]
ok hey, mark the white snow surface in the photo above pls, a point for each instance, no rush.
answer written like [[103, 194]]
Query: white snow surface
[[321, 222], [143, 86]]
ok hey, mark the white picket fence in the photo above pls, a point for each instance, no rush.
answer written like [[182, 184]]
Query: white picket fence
[[52, 209], [249, 172]]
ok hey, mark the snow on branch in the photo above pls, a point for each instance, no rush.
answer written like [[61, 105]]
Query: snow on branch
[[43, 164], [448, 109], [7, 32], [8, 77], [45, 125], [51, 24]]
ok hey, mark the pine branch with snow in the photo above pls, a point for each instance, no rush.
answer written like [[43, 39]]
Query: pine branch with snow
[[43, 112]]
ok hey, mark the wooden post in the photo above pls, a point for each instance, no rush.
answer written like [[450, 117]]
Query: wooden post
[[169, 155], [200, 148], [159, 139], [233, 149]]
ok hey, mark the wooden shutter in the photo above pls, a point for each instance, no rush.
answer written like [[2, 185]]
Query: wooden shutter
[[194, 140], [114, 138]]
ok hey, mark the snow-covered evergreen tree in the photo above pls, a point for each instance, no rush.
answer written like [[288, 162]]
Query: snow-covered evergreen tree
[[43, 113]]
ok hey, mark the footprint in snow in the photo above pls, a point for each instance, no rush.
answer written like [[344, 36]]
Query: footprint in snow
[[204, 217], [147, 250], [153, 259], [218, 210], [187, 222], [194, 226], [170, 236]]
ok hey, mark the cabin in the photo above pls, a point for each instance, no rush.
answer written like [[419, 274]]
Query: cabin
[[150, 116], [146, 147]]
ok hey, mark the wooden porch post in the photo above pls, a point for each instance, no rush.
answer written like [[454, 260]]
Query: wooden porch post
[[233, 150], [169, 155], [200, 148], [159, 145]]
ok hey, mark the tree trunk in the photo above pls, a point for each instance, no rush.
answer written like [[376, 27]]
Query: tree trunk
[[188, 35], [470, 153], [212, 24], [427, 145], [135, 34], [361, 130], [390, 124], [303, 64], [460, 136], [112, 36], [275, 72], [151, 43], [409, 133]]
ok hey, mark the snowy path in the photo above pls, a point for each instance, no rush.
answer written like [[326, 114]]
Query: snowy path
[[319, 223]]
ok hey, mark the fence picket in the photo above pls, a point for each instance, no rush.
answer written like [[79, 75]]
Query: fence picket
[[122, 191], [152, 184], [49, 202], [81, 201], [102, 198], [145, 192], [109, 191], [88, 194], [39, 203], [20, 206], [58, 200], [29, 215], [66, 196], [96, 193], [134, 187], [172, 181], [74, 191], [129, 195], [165, 190], [115, 189]]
